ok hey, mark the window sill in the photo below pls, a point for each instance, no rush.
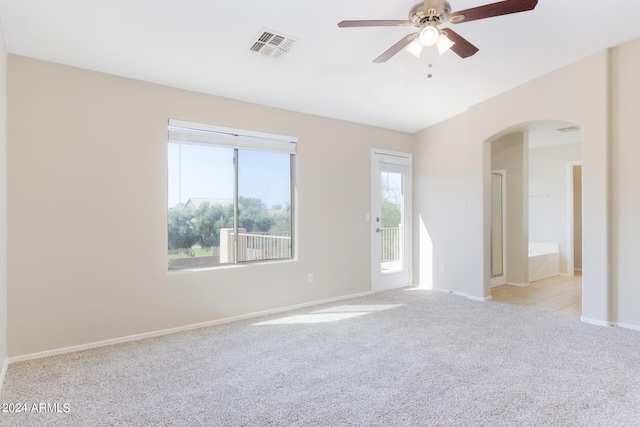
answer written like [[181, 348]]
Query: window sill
[[230, 266]]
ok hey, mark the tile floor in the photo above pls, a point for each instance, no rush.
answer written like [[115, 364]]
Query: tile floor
[[560, 294]]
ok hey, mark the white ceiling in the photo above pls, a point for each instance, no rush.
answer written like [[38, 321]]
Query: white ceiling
[[203, 45]]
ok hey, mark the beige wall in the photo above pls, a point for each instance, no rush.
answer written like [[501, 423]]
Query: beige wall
[[87, 200], [578, 93], [439, 204], [625, 175], [601, 94], [509, 153], [3, 202], [87, 207]]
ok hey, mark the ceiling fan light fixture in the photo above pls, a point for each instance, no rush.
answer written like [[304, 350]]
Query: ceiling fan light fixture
[[414, 48], [444, 43], [429, 35]]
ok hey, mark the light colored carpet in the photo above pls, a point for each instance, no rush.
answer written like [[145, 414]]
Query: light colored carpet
[[398, 358]]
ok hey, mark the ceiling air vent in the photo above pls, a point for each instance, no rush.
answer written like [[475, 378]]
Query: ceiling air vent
[[270, 43]]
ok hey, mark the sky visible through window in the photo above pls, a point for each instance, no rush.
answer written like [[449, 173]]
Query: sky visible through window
[[207, 172], [391, 186]]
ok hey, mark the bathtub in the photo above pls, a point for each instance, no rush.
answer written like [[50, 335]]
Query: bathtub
[[544, 260]]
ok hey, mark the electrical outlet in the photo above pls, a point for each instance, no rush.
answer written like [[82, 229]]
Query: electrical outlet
[[310, 278], [441, 268]]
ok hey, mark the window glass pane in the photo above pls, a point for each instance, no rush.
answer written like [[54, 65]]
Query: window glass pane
[[392, 200], [264, 203], [228, 200], [200, 208]]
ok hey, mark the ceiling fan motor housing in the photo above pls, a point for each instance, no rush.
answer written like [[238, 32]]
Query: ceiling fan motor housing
[[430, 10]]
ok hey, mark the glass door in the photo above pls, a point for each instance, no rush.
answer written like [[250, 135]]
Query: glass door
[[391, 225]]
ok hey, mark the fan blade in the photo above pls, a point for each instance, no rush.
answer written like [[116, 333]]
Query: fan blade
[[395, 48], [387, 23], [494, 9], [462, 46]]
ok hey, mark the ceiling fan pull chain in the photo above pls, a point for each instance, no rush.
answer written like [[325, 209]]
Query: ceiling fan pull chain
[[430, 60]]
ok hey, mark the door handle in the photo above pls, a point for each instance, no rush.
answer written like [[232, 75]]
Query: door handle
[[378, 230]]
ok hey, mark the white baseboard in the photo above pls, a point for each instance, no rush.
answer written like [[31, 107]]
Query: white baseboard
[[626, 326], [481, 299], [449, 291], [152, 334], [520, 285], [462, 294], [610, 324], [595, 322]]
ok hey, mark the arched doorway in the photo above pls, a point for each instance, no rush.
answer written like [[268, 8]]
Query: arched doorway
[[535, 214]]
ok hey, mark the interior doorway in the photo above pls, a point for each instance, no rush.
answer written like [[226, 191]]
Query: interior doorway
[[547, 157]]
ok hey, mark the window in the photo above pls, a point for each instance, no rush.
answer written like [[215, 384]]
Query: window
[[229, 196]]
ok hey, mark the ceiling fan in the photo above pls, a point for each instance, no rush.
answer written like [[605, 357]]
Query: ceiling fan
[[427, 15]]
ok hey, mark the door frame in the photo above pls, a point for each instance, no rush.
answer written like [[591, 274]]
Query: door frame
[[570, 218], [502, 279], [376, 275]]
